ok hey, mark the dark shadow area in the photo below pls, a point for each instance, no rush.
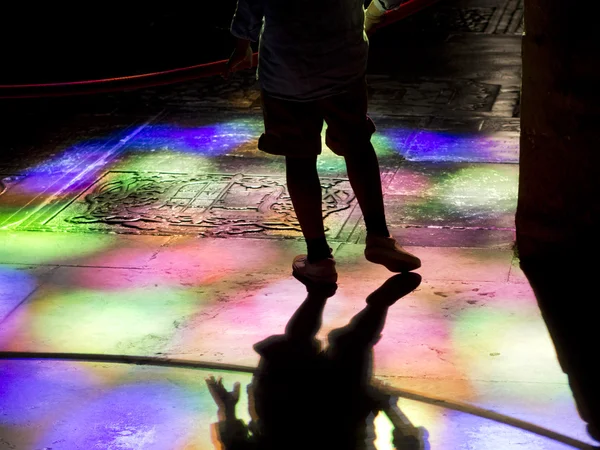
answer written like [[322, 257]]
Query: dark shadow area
[[565, 299], [75, 42], [558, 213], [81, 42], [303, 396]]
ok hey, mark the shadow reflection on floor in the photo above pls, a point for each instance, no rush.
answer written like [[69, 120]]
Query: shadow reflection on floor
[[303, 396]]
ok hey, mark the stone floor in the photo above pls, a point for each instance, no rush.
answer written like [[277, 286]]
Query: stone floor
[[147, 224]]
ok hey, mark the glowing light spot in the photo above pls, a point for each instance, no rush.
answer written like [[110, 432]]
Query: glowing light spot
[[131, 321], [477, 333], [40, 248], [483, 186]]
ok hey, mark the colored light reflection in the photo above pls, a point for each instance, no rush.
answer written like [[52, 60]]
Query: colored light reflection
[[262, 308], [72, 406], [473, 195], [209, 140], [137, 416], [15, 286], [44, 248], [439, 146], [74, 167], [28, 392], [489, 345], [80, 164], [205, 261], [132, 321], [330, 163], [88, 405], [160, 309], [484, 186]]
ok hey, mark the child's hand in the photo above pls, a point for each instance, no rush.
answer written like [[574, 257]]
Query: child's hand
[[225, 400], [373, 17], [240, 59]]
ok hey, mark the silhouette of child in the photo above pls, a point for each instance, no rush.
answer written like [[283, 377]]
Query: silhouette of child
[[312, 65]]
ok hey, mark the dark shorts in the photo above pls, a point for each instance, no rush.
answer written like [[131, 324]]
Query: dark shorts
[[294, 128]]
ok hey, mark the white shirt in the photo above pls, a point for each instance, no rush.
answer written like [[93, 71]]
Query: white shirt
[[309, 49]]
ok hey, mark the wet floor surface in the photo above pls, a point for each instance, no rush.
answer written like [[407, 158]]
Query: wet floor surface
[[148, 224]]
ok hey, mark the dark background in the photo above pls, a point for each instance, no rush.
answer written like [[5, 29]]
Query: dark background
[[59, 43], [64, 44]]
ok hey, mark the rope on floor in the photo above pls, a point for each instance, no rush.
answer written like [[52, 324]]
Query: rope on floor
[[200, 365]]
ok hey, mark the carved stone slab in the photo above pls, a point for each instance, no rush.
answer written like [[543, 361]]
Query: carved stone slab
[[492, 16], [202, 204], [430, 97]]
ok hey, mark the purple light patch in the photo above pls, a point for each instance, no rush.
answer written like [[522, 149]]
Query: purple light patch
[[73, 169], [145, 415], [439, 146], [30, 391], [78, 155], [15, 286], [209, 140], [79, 165]]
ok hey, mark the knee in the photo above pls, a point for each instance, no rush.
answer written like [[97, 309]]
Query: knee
[[365, 154], [297, 164]]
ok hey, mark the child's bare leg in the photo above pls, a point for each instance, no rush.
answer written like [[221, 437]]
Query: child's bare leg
[[363, 172], [381, 248], [304, 188]]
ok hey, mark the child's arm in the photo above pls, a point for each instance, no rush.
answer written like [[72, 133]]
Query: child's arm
[[248, 19], [246, 26]]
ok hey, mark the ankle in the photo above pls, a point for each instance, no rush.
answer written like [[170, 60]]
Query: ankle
[[379, 228], [385, 235], [318, 249], [315, 260]]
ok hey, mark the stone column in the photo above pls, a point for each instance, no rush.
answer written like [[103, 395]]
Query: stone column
[[558, 210]]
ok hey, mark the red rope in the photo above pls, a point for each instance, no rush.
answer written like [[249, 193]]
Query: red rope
[[405, 10], [87, 87]]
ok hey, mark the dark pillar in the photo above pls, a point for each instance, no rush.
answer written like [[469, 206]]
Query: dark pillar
[[558, 212]]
